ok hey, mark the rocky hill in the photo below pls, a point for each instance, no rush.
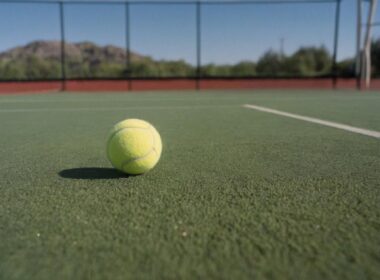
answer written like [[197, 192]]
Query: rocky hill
[[42, 60], [86, 51]]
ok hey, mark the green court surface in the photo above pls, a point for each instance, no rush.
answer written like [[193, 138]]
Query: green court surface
[[237, 194]]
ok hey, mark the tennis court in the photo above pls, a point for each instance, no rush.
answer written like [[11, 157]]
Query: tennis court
[[238, 193]]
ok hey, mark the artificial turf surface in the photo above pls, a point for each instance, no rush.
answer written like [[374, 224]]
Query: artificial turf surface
[[238, 194]]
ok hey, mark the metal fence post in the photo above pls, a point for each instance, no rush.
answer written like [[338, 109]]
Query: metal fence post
[[358, 43], [128, 45], [336, 37], [63, 54], [198, 42]]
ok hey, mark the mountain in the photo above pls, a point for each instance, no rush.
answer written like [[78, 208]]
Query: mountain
[[42, 60], [86, 51]]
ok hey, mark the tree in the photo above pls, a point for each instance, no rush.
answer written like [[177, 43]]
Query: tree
[[270, 64], [375, 57], [243, 68], [312, 61]]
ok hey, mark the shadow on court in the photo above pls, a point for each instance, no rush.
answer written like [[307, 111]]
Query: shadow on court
[[92, 173]]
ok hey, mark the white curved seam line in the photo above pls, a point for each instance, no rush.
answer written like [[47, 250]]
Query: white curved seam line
[[126, 162], [144, 156], [116, 132]]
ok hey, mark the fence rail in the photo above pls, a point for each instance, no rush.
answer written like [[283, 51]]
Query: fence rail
[[198, 7]]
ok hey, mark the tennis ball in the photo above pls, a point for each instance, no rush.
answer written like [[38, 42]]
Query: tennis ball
[[134, 146]]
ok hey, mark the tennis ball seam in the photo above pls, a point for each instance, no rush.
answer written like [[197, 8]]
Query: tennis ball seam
[[129, 161], [123, 128], [116, 132]]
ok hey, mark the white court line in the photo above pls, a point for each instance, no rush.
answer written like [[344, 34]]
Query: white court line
[[126, 100], [114, 98], [358, 130], [82, 109]]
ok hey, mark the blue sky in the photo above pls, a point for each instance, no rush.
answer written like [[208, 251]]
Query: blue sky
[[230, 33]]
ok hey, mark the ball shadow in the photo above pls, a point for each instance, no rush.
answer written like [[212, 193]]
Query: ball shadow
[[92, 173]]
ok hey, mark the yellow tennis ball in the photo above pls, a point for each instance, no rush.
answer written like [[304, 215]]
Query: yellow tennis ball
[[134, 146]]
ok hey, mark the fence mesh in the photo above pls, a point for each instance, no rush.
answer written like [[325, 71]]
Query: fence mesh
[[30, 41], [94, 50], [122, 40]]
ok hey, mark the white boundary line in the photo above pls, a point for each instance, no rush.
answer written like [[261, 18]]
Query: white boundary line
[[83, 109], [358, 130]]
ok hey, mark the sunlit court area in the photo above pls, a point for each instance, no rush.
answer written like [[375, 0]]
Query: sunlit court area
[[190, 139]]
